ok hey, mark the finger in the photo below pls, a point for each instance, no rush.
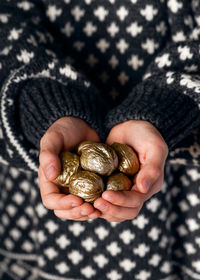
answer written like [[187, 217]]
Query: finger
[[75, 213], [113, 135], [155, 188], [111, 211], [51, 196], [132, 199], [96, 214], [51, 145], [147, 176]]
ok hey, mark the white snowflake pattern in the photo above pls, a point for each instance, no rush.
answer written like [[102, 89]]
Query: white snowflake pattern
[[89, 29], [135, 62], [25, 56], [143, 275], [184, 53], [179, 37], [113, 29], [190, 82], [101, 13], [163, 60], [53, 12], [103, 45], [127, 265], [14, 34], [122, 13], [174, 5], [68, 72], [150, 46], [78, 13], [149, 12], [25, 5], [141, 250], [134, 29]]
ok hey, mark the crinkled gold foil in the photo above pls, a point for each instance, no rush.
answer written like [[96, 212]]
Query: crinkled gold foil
[[69, 165], [97, 157], [118, 182], [86, 185], [128, 160]]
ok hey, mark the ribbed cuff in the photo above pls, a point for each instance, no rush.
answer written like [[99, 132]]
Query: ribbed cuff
[[42, 101], [174, 114]]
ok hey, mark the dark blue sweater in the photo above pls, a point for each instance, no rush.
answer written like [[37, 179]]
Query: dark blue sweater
[[102, 61]]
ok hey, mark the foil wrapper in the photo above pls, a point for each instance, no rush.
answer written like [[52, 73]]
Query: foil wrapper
[[70, 164], [128, 160], [118, 182], [97, 157], [86, 185]]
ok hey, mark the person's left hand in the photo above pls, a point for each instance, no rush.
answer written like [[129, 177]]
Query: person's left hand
[[152, 152]]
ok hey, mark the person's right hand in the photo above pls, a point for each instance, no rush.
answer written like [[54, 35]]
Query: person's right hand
[[63, 134]]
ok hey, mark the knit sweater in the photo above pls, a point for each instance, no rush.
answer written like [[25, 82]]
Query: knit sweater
[[104, 62]]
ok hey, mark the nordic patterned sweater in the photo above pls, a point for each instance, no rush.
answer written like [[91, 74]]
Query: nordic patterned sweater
[[105, 61]]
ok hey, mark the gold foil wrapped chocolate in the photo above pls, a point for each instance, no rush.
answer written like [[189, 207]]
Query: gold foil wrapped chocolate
[[86, 185], [118, 182], [69, 166], [97, 157], [128, 160]]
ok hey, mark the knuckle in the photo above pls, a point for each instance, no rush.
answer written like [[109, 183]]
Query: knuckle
[[136, 212], [156, 171], [158, 188], [121, 199], [50, 133], [45, 202], [42, 156], [158, 146], [46, 157], [137, 204], [163, 147], [43, 140]]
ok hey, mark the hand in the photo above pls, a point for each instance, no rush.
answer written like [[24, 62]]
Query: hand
[[152, 152], [63, 134]]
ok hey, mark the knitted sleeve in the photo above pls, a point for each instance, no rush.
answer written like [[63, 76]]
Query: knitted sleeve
[[169, 94], [37, 83]]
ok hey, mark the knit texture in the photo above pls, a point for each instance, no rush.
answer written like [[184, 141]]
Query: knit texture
[[43, 101], [106, 62], [175, 117], [103, 62]]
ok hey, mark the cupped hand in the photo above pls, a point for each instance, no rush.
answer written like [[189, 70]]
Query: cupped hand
[[63, 134], [152, 152]]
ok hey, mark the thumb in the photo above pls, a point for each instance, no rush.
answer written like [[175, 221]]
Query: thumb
[[51, 145], [146, 177]]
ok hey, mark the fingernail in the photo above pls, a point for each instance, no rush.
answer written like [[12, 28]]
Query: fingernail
[[49, 172], [146, 185]]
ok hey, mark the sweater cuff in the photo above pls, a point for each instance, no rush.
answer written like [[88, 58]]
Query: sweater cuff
[[42, 101], [174, 114]]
